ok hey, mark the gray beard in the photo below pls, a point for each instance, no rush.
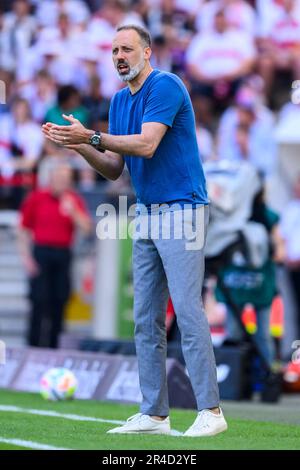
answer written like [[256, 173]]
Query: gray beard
[[133, 73]]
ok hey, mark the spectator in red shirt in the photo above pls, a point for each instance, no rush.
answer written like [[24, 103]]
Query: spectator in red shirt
[[49, 218]]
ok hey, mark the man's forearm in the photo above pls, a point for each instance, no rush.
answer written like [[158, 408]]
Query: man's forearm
[[139, 145], [109, 165], [135, 144]]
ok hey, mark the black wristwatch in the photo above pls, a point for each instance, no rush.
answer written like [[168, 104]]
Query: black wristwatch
[[95, 141]]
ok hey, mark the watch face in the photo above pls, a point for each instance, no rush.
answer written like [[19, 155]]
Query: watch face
[[95, 140]]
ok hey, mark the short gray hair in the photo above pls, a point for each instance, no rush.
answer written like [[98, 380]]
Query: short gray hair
[[142, 32]]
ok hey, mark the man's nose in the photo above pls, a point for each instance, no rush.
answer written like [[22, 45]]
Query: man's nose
[[120, 56]]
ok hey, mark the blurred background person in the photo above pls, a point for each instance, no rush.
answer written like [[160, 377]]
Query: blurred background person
[[55, 49], [48, 220], [218, 61], [41, 94], [280, 45], [68, 102], [18, 31], [247, 133], [21, 144], [49, 11], [239, 13]]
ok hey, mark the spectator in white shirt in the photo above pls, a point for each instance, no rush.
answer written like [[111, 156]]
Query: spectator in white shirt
[[251, 90], [239, 13], [219, 60], [17, 34], [247, 133], [41, 94], [55, 51], [280, 46], [21, 144], [268, 12], [49, 11]]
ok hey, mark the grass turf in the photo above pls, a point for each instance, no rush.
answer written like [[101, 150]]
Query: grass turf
[[61, 432]]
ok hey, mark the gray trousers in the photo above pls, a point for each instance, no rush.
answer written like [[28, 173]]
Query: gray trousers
[[162, 267]]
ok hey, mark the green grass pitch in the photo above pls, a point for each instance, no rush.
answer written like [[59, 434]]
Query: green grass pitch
[[64, 433]]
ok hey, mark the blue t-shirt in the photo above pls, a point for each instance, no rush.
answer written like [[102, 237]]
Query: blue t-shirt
[[174, 173]]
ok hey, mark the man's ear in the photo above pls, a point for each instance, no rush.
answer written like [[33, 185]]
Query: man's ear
[[147, 53]]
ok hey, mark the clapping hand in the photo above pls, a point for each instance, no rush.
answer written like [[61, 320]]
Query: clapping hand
[[69, 136]]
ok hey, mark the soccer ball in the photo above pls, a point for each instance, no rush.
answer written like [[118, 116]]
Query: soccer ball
[[58, 384]]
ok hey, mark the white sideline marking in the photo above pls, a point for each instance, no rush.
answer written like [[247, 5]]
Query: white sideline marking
[[30, 444], [55, 414]]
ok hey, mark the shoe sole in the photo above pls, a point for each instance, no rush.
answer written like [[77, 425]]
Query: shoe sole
[[140, 432]]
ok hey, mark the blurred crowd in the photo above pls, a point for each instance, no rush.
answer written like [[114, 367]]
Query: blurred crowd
[[238, 59], [55, 57]]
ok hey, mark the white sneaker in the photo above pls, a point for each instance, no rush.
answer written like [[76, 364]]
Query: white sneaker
[[140, 423], [207, 424]]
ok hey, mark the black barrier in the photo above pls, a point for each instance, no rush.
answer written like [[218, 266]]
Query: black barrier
[[100, 376], [113, 375], [233, 363]]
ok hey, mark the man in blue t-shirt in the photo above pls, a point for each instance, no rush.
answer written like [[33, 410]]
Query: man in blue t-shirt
[[152, 130]]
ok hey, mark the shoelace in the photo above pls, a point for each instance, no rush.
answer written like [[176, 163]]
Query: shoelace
[[202, 419], [137, 415]]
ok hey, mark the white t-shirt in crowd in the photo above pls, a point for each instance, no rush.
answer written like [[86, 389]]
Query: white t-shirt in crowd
[[229, 120], [261, 140], [285, 32], [15, 38], [240, 15], [39, 105], [269, 12], [48, 11], [27, 136], [290, 229], [217, 54], [63, 64]]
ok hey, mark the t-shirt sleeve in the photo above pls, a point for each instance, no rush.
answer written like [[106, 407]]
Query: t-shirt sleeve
[[112, 118], [163, 102]]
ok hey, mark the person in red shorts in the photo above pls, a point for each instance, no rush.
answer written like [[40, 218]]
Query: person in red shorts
[[49, 218]]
